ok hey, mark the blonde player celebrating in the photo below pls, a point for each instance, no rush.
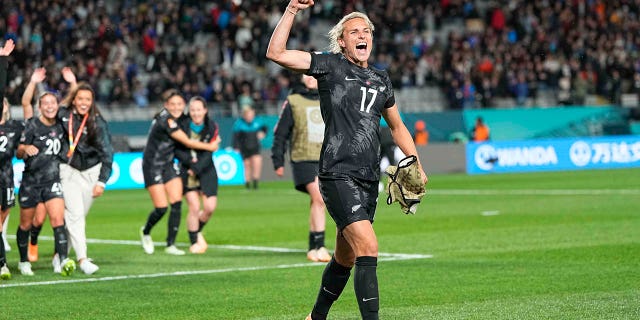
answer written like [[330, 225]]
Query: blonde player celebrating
[[353, 98]]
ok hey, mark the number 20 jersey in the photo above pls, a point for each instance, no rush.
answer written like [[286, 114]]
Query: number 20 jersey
[[352, 99], [43, 168]]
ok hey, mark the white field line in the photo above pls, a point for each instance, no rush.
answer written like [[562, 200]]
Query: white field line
[[526, 192], [382, 257]]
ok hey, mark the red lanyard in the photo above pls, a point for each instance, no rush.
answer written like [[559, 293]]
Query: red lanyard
[[74, 142]]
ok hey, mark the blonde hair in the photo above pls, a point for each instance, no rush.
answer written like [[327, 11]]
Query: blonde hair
[[336, 32]]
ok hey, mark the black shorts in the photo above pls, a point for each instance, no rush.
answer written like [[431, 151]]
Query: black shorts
[[7, 198], [304, 172], [31, 195], [249, 152], [349, 199], [207, 183], [160, 174]]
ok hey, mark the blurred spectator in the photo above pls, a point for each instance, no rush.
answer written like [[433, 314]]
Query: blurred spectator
[[480, 132], [421, 134], [509, 49], [248, 132]]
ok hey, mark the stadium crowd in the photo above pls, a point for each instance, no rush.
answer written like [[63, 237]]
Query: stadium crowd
[[131, 51]]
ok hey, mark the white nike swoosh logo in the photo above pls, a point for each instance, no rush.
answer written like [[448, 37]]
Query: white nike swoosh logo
[[350, 79], [325, 289], [365, 300]]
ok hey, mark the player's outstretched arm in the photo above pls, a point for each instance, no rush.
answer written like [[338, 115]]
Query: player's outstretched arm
[[38, 75], [295, 60]]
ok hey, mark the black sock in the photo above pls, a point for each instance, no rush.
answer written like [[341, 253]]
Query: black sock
[[255, 184], [174, 222], [193, 237], [3, 254], [316, 239], [35, 232], [365, 283], [60, 239], [154, 217], [201, 225], [248, 185], [334, 278], [22, 237]]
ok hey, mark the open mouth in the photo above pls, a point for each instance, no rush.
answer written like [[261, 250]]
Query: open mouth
[[361, 48]]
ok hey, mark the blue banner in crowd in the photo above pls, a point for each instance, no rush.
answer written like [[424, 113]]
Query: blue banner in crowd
[[127, 170], [553, 154]]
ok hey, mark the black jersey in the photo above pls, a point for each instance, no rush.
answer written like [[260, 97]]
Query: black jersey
[[160, 147], [10, 133], [43, 168], [352, 99], [86, 154], [198, 161]]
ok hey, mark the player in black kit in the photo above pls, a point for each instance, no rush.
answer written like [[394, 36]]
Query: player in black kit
[[86, 166], [10, 131], [199, 175], [162, 174], [42, 146], [353, 97]]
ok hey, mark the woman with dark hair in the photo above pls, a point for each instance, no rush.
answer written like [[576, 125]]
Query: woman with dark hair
[[86, 166], [199, 175], [161, 174]]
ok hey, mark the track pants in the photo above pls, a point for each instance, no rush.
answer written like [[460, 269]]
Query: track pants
[[77, 187]]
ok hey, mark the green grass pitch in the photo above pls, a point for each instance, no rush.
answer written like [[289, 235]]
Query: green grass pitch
[[561, 245]]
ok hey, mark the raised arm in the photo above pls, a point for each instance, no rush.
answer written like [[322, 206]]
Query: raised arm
[[5, 51], [70, 78], [295, 60], [38, 75]]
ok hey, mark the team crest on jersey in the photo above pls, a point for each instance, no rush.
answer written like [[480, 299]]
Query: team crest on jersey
[[172, 123]]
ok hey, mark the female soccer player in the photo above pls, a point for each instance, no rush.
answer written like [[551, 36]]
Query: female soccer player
[[353, 97], [10, 131], [199, 175], [161, 173], [42, 146]]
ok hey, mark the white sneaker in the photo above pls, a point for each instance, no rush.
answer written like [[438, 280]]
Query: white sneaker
[[5, 274], [25, 268], [173, 250], [68, 267], [55, 262], [147, 242], [88, 267]]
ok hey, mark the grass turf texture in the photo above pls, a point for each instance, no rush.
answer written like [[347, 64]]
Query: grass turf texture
[[562, 245]]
